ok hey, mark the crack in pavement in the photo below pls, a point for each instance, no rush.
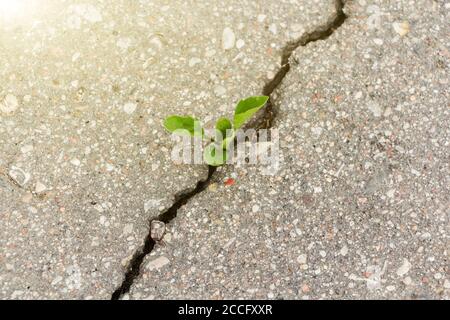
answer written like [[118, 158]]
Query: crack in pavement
[[266, 122]]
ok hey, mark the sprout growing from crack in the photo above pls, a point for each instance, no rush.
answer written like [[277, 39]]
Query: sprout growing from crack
[[215, 154]]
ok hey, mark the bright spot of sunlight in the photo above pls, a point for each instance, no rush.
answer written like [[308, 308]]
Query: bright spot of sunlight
[[11, 10]]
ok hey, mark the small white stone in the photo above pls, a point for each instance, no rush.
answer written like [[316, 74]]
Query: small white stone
[[344, 251], [9, 104], [124, 43], [128, 229], [390, 193], [390, 288], [194, 61], [404, 268], [33, 210], [75, 56], [57, 280], [323, 254], [151, 204], [318, 189], [219, 91], [438, 276], [387, 112], [407, 281], [210, 53], [446, 284], [40, 187], [75, 162], [255, 208], [317, 131], [375, 108], [302, 259], [402, 28], [228, 39], [129, 107], [158, 263], [261, 18], [273, 28], [378, 42], [240, 43], [26, 149], [297, 27], [358, 95]]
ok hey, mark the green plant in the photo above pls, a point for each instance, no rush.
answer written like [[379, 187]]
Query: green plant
[[215, 153]]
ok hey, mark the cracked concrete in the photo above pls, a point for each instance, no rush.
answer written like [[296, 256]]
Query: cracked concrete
[[321, 32], [84, 161], [360, 207]]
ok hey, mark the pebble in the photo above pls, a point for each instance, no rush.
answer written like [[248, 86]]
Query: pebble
[[407, 281], [194, 61], [212, 187], [129, 108], [19, 176], [151, 204], [402, 28], [158, 263], [40, 187], [9, 104], [344, 251], [228, 39], [375, 108], [378, 42], [446, 284], [301, 259], [404, 268], [157, 230], [390, 288], [273, 28], [219, 91], [128, 229], [27, 148], [75, 162], [390, 193], [240, 43], [261, 18]]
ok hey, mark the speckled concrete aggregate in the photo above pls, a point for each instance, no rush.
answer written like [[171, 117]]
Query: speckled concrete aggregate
[[85, 85], [360, 207]]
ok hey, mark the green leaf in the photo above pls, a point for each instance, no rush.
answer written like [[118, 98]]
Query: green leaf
[[183, 125], [213, 157], [228, 140], [222, 125], [247, 108]]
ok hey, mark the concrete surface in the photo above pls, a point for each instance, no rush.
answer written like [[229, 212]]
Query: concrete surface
[[85, 85], [360, 207]]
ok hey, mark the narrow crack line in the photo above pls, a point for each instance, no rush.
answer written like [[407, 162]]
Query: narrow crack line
[[321, 33], [149, 243]]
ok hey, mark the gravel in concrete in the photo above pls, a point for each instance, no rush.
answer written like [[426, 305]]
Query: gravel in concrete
[[360, 207], [85, 85]]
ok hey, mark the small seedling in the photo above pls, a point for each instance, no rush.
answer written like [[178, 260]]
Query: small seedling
[[215, 153]]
